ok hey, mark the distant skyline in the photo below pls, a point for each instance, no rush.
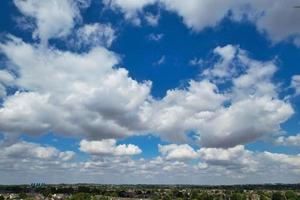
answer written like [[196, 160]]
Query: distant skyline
[[150, 91]]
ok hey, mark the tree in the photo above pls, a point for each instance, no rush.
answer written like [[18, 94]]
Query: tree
[[277, 196], [81, 196], [290, 195], [238, 196]]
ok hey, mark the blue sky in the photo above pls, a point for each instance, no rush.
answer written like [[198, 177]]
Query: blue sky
[[151, 91]]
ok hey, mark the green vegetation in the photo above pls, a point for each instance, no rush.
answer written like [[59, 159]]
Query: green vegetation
[[155, 192]]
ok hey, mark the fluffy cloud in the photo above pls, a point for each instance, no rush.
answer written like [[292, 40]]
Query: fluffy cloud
[[27, 150], [182, 109], [109, 147], [288, 141], [33, 162], [253, 98], [36, 162], [221, 119], [279, 20], [54, 18], [231, 157], [91, 35], [292, 162], [198, 14], [296, 84], [234, 164], [177, 152], [130, 8], [265, 115], [99, 101], [96, 100], [88, 95], [223, 68], [241, 163]]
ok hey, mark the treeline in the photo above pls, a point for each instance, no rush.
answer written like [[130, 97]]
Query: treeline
[[165, 192]]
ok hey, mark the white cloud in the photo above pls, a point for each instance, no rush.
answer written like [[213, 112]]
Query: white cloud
[[291, 161], [96, 100], [182, 109], [296, 83], [130, 8], [224, 67], [109, 147], [54, 18], [27, 150], [228, 157], [230, 126], [293, 140], [253, 97], [199, 14], [218, 166], [177, 152], [99, 101], [222, 119], [95, 34], [279, 20]]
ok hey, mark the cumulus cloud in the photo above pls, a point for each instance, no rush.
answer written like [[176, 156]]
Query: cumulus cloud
[[198, 14], [279, 20], [252, 90], [252, 96], [34, 162], [54, 18], [109, 147], [99, 101], [96, 100], [293, 140], [242, 163], [182, 109], [292, 162], [231, 157], [27, 150], [177, 152], [90, 96]]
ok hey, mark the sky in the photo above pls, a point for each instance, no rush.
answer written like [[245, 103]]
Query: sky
[[150, 91]]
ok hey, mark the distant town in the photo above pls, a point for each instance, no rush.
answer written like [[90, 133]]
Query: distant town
[[40, 191]]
